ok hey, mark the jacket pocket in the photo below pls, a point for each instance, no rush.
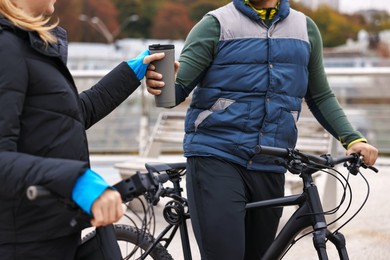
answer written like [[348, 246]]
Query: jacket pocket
[[287, 133], [220, 105]]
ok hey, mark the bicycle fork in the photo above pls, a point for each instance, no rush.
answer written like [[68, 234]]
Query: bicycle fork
[[338, 239], [321, 232]]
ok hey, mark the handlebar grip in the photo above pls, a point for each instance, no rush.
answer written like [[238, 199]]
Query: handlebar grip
[[35, 192], [275, 151], [138, 184]]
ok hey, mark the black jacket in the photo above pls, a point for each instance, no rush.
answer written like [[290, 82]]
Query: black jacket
[[42, 130]]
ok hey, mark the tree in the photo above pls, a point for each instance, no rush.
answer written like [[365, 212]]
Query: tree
[[296, 5], [172, 21], [199, 8], [335, 28], [69, 13], [131, 27]]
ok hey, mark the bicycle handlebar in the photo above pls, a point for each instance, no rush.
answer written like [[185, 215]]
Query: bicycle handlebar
[[292, 153], [140, 183], [129, 188], [324, 160]]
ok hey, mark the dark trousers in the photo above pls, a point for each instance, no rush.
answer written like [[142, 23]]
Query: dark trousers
[[56, 249], [218, 191]]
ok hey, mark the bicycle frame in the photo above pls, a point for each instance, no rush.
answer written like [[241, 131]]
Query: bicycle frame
[[180, 224], [309, 213]]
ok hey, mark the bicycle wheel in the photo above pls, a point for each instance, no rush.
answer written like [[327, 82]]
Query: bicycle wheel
[[133, 242]]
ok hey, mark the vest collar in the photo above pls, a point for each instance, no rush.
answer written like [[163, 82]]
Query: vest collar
[[284, 10]]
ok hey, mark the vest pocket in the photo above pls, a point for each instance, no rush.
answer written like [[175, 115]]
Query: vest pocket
[[220, 105], [287, 132]]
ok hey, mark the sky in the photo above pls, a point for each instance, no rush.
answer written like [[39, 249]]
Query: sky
[[349, 6]]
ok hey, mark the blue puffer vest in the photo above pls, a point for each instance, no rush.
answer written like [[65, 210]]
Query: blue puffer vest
[[252, 93]]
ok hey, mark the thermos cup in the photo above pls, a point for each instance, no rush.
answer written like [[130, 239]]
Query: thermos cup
[[166, 67]]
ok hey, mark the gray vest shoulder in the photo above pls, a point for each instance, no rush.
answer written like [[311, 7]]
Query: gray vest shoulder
[[234, 25], [294, 26]]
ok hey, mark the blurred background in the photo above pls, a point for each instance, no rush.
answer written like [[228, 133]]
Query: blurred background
[[102, 33]]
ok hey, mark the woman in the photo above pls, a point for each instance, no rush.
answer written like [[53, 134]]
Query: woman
[[42, 134]]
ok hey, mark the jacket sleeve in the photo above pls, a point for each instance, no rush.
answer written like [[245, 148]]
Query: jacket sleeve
[[197, 55], [19, 170], [321, 99], [100, 100]]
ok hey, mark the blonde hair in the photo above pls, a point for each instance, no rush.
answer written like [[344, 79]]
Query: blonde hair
[[23, 20]]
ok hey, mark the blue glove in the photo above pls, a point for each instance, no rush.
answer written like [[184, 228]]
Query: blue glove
[[138, 66], [87, 189]]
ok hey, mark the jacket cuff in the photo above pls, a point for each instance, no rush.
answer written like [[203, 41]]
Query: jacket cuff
[[87, 189], [360, 140]]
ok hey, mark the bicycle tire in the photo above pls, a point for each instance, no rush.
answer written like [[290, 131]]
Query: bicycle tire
[[139, 241]]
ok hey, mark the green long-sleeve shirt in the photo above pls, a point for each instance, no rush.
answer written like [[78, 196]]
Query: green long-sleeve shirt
[[200, 49]]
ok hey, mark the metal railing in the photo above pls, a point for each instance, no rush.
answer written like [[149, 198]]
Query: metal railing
[[355, 71], [364, 71], [363, 92]]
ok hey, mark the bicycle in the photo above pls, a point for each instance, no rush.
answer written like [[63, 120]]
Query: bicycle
[[309, 214]]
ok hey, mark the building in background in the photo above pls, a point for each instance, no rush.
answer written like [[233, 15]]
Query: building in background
[[314, 4]]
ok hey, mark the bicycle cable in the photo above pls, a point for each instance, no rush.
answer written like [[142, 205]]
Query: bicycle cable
[[361, 206], [145, 224], [345, 187]]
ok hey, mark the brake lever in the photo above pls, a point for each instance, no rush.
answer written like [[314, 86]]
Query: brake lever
[[372, 168], [158, 194], [353, 168], [365, 166]]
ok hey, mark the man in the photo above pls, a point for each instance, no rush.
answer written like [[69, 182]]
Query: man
[[253, 62]]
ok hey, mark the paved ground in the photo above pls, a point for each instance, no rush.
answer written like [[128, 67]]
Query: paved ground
[[368, 234]]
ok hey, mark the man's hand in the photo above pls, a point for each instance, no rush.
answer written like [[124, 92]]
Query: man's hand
[[369, 152], [107, 209], [154, 80]]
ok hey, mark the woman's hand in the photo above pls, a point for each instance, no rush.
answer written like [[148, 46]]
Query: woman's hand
[[140, 63], [153, 57], [107, 209]]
